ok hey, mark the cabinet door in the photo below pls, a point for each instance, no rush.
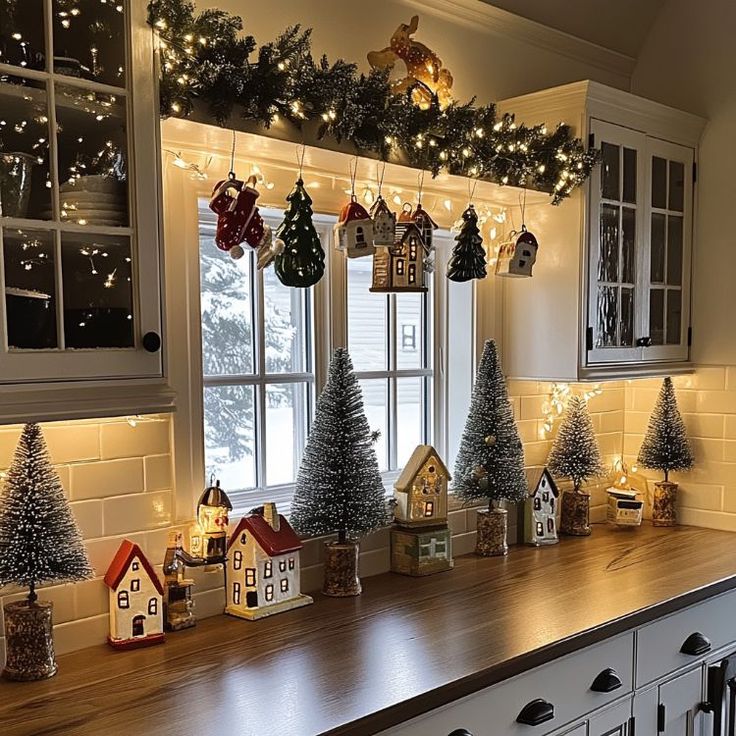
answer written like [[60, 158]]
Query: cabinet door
[[616, 223], [613, 721], [679, 705], [668, 238]]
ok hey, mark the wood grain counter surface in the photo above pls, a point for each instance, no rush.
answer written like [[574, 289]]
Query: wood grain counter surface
[[353, 667]]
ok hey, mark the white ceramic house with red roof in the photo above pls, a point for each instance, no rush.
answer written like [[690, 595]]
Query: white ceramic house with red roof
[[136, 599], [263, 574], [354, 230]]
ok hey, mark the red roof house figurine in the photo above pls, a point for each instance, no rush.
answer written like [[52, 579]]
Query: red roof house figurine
[[263, 573], [354, 230], [136, 600]]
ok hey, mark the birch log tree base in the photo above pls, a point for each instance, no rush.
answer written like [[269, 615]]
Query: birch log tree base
[[492, 539], [341, 570], [664, 504], [29, 641], [575, 514]]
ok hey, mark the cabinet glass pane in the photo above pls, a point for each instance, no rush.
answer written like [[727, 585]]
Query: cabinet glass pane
[[607, 316], [30, 288], [285, 430], [367, 318], [608, 256], [657, 253], [89, 39], [629, 193], [674, 316], [656, 316], [25, 188], [610, 175], [677, 186], [375, 403], [92, 157], [98, 291], [659, 182], [628, 245], [627, 317], [229, 435], [409, 337], [285, 312], [22, 34], [674, 250], [409, 429]]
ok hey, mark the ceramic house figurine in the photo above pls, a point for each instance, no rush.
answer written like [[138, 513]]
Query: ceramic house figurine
[[421, 489], [262, 570], [401, 267], [422, 220], [354, 230], [422, 551], [384, 223], [178, 603], [517, 255], [136, 600], [540, 508], [625, 509], [208, 539]]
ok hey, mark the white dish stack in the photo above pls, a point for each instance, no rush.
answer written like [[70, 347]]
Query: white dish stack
[[94, 200]]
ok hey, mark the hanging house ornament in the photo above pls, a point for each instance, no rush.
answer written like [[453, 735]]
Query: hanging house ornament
[[517, 255], [354, 230], [384, 223], [404, 265], [468, 259]]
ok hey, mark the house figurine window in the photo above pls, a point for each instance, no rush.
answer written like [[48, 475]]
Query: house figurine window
[[236, 593], [268, 569], [537, 503], [550, 525], [545, 496], [123, 600], [412, 273], [135, 585], [269, 593], [135, 566], [282, 565], [152, 606], [237, 560], [400, 268], [540, 529], [291, 563], [428, 508], [285, 585], [243, 538], [250, 577]]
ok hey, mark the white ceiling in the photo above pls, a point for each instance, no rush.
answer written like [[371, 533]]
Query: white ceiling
[[620, 25]]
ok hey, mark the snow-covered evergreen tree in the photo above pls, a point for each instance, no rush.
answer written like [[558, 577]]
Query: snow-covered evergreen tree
[[468, 260], [339, 487], [575, 453], [39, 537], [666, 446], [490, 461]]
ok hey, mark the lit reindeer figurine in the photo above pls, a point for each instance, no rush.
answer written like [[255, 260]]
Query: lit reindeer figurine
[[424, 68]]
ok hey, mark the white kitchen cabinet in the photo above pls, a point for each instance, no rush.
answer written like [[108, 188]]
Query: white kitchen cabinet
[[678, 708], [79, 213], [610, 295]]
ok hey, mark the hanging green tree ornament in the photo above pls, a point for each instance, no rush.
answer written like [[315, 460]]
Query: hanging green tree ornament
[[490, 461], [468, 260], [575, 455], [302, 262], [667, 448]]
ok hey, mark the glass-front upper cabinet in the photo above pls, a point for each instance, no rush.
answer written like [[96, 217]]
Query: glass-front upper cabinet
[[640, 245], [79, 246]]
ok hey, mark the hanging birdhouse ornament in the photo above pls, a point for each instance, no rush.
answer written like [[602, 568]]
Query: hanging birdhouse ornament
[[354, 230], [517, 255], [384, 223], [404, 265]]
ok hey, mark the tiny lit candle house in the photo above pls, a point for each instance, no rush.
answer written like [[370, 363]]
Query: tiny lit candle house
[[540, 508], [208, 539], [421, 489], [178, 603], [384, 223], [517, 255], [262, 571], [136, 599], [354, 230], [403, 266]]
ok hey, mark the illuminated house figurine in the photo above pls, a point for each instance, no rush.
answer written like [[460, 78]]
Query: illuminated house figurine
[[262, 571], [517, 255], [402, 266], [425, 223], [354, 231], [178, 604], [420, 539], [208, 539], [540, 508], [136, 618], [384, 223]]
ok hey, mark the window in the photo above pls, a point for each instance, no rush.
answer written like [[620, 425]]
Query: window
[[428, 508], [267, 569], [135, 585], [243, 538], [282, 565], [537, 503], [236, 593], [123, 600], [135, 566], [153, 607], [409, 338], [550, 525], [540, 529], [250, 577], [545, 496], [237, 560], [269, 593], [285, 585], [291, 563]]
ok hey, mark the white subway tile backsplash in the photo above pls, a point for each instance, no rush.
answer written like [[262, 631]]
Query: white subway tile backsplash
[[147, 437], [157, 473], [137, 512], [84, 632], [69, 443], [107, 478], [89, 517], [90, 598]]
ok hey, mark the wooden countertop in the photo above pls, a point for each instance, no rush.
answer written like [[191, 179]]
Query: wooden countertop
[[357, 666]]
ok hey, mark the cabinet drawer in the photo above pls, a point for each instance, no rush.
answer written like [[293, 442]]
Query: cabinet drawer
[[659, 643], [564, 683]]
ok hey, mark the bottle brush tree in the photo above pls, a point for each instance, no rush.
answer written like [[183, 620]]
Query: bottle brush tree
[[575, 452], [339, 487], [39, 537], [666, 446], [468, 260], [490, 461]]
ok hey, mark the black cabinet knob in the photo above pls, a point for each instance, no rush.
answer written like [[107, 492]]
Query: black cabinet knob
[[695, 644], [460, 732], [152, 342], [536, 712], [606, 681]]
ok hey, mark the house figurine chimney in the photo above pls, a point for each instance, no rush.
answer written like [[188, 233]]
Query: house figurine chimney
[[271, 515]]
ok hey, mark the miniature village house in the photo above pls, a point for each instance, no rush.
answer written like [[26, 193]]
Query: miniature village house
[[354, 231], [421, 489], [136, 599], [208, 538], [540, 508], [517, 255], [178, 603], [384, 223], [262, 570], [425, 224], [401, 267]]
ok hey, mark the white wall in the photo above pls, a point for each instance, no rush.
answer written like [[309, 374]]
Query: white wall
[[689, 61]]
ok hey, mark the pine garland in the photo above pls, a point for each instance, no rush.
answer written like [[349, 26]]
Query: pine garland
[[205, 56], [39, 537]]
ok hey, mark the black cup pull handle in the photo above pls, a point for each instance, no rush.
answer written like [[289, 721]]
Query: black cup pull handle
[[536, 712], [644, 342], [152, 342], [695, 644], [460, 732], [606, 681]]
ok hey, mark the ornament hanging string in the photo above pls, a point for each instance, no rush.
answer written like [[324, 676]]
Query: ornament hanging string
[[522, 209], [379, 178], [300, 153], [472, 184], [353, 169], [231, 173], [420, 187]]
